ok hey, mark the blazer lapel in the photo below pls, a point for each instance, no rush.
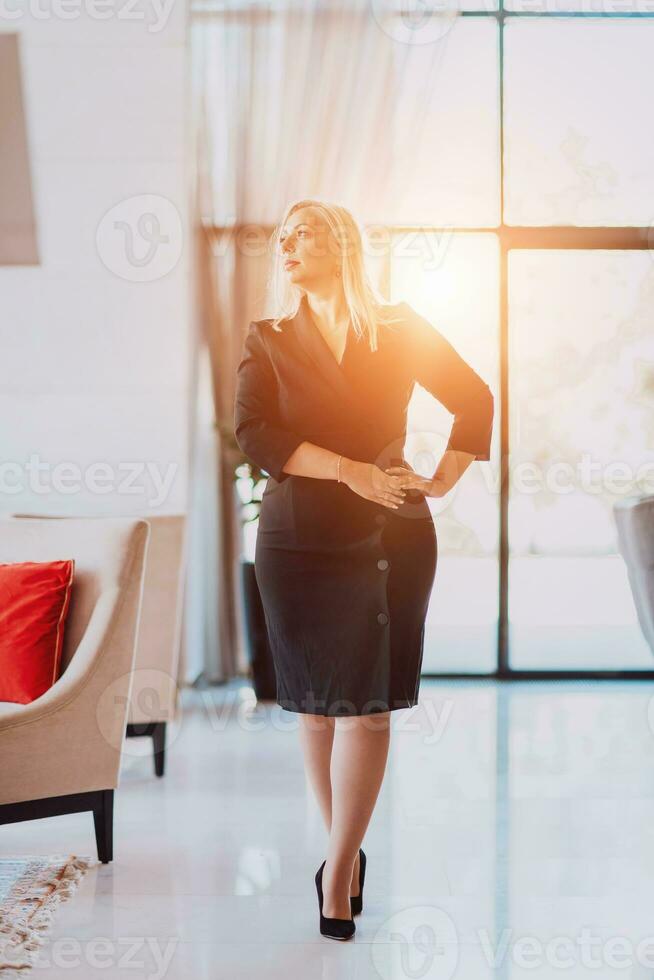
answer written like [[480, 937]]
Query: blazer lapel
[[348, 379], [317, 349]]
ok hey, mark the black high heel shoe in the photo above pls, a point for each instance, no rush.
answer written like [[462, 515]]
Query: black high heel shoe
[[356, 901], [333, 928]]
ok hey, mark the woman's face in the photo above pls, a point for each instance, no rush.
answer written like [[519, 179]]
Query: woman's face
[[310, 255]]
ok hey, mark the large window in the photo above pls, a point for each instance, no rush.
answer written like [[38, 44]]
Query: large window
[[582, 430], [543, 149]]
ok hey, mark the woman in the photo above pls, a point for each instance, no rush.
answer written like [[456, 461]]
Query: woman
[[346, 545]]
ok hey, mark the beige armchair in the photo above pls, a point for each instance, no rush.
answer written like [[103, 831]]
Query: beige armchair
[[154, 698], [61, 753]]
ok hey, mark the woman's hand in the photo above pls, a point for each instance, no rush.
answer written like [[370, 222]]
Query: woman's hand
[[410, 480], [370, 482]]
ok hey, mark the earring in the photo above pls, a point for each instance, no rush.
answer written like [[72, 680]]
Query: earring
[[338, 273]]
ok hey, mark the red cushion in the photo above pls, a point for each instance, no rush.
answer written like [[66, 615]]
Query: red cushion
[[34, 601]]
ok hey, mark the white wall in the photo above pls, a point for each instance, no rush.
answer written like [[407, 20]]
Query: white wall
[[94, 361]]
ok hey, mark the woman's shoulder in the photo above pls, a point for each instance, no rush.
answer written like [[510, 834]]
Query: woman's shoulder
[[409, 321], [269, 334], [403, 311], [396, 320], [399, 313], [270, 324], [263, 329]]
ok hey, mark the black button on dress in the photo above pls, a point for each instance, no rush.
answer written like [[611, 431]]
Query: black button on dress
[[345, 582]]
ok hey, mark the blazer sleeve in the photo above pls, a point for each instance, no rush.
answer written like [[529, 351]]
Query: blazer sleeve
[[440, 369], [256, 413]]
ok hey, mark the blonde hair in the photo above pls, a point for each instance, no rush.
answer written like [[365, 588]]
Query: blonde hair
[[367, 307]]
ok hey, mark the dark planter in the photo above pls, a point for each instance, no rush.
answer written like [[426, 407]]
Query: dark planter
[[264, 679]]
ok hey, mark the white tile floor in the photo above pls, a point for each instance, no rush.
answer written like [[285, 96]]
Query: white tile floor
[[514, 837]]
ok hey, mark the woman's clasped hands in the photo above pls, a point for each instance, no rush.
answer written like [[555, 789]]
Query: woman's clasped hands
[[410, 480], [387, 487]]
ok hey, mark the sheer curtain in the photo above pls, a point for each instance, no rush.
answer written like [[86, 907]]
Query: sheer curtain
[[293, 99]]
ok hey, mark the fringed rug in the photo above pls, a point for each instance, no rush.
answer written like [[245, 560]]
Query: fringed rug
[[31, 888]]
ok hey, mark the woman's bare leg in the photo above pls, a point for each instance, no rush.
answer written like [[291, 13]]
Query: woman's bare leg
[[316, 739], [358, 762]]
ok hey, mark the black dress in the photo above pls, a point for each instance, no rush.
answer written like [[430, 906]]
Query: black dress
[[345, 582]]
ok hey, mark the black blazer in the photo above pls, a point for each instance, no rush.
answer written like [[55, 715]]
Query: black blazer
[[291, 389]]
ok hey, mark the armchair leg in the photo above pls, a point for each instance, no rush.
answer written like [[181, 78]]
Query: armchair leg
[[103, 820], [100, 801], [159, 746], [156, 730]]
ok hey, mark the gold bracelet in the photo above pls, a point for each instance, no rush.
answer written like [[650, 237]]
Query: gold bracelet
[[338, 469]]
